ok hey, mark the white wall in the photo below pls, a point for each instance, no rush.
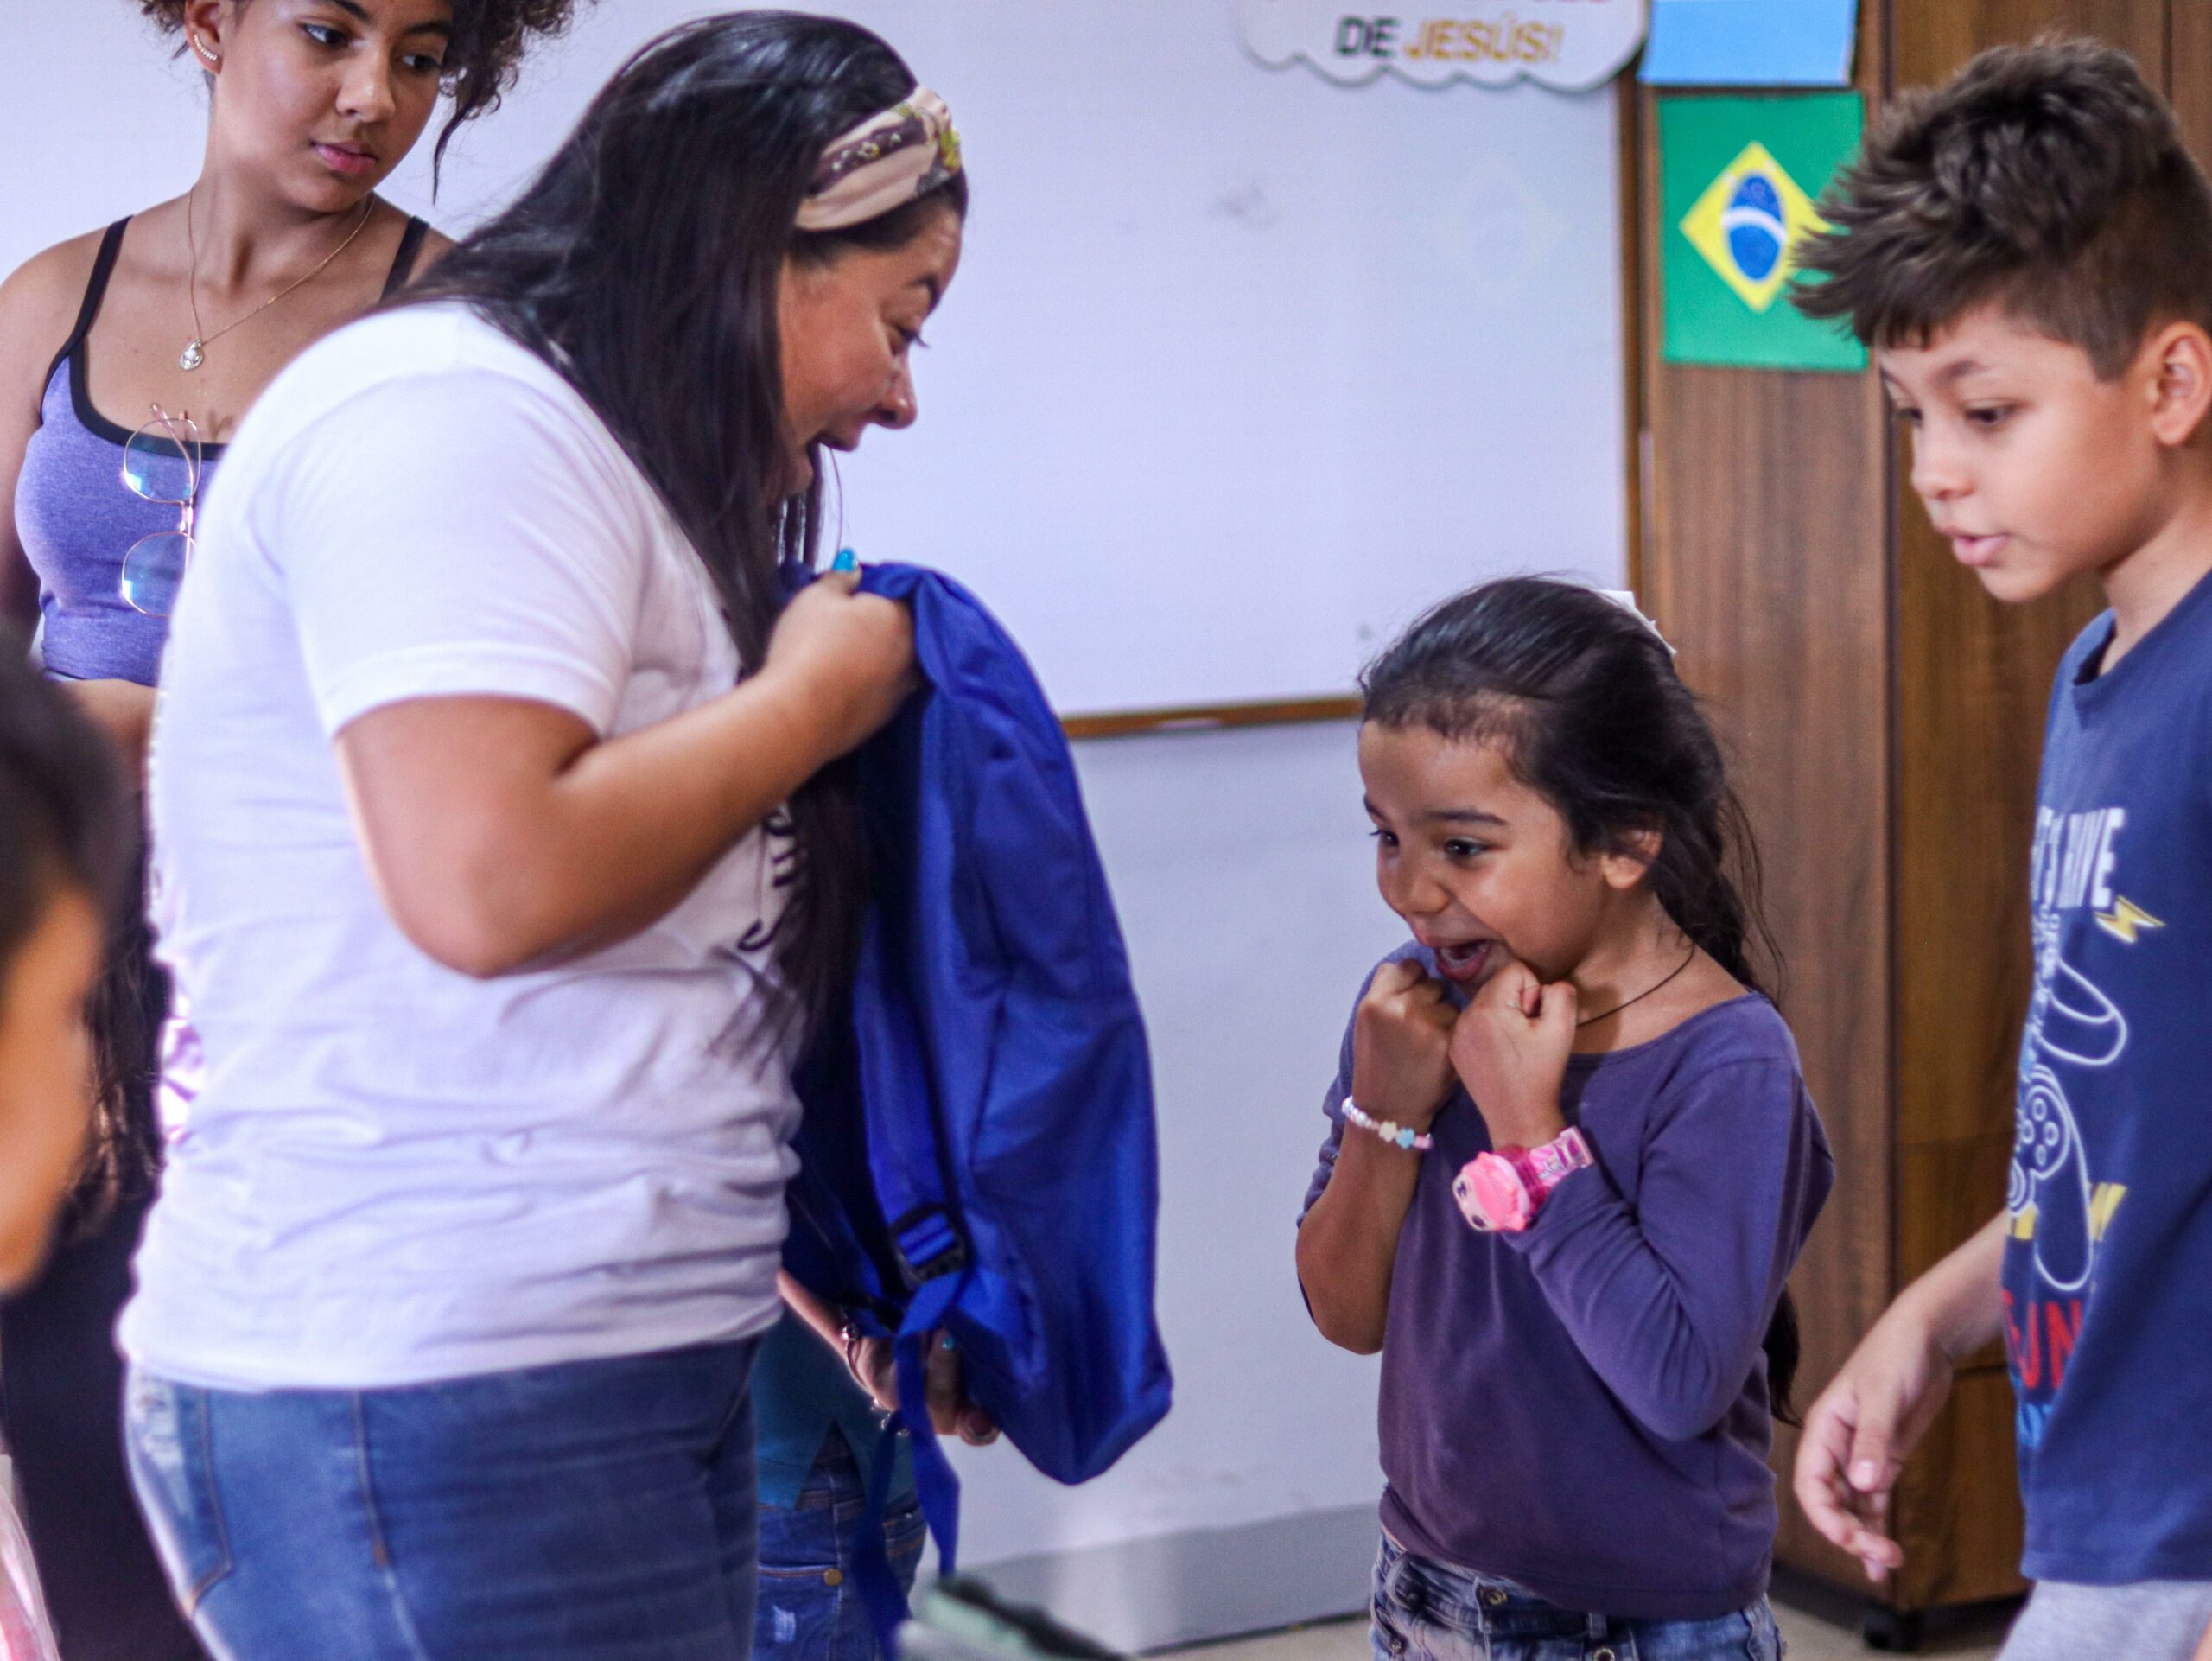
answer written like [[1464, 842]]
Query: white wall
[[96, 123]]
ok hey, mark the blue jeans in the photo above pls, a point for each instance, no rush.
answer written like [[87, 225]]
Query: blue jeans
[[601, 1510], [1424, 1611], [810, 1609]]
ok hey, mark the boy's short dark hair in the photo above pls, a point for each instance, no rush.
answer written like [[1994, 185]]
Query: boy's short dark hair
[[2050, 179]]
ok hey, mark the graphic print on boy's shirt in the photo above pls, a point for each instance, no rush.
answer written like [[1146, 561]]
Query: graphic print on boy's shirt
[[2107, 1270], [2054, 1203]]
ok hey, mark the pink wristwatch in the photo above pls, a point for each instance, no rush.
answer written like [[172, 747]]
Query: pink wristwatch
[[1501, 1192]]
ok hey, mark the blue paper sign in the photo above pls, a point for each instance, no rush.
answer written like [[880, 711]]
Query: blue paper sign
[[1751, 42]]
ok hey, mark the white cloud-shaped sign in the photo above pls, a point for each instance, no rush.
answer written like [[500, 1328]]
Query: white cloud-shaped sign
[[1569, 44]]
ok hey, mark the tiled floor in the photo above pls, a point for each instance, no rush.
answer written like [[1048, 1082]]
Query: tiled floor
[[1827, 1634]]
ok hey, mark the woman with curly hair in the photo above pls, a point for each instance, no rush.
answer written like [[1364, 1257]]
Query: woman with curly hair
[[168, 326], [504, 889]]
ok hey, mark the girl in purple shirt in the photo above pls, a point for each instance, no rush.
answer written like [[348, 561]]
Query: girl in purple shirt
[[1571, 1157]]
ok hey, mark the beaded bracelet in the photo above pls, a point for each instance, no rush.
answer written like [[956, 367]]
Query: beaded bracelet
[[1396, 1134]]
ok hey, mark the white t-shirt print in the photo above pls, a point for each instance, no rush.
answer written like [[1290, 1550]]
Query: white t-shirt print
[[393, 1173]]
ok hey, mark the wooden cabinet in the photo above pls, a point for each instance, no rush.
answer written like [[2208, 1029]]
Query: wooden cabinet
[[1885, 721]]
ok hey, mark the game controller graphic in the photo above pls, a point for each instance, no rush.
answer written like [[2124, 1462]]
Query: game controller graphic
[[2070, 1020], [2051, 1173]]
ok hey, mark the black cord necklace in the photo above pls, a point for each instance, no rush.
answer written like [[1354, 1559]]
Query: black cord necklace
[[1602, 1013]]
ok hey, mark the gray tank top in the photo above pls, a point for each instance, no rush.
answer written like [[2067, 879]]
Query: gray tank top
[[77, 518]]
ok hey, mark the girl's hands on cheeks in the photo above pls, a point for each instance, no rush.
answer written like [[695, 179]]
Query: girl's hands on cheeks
[[1510, 1048], [1402, 1046]]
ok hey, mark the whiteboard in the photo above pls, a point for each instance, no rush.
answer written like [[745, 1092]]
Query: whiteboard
[[1243, 367]]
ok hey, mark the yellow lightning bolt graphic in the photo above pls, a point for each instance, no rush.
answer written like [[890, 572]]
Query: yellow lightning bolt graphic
[[2127, 919], [2102, 1204], [2104, 1200]]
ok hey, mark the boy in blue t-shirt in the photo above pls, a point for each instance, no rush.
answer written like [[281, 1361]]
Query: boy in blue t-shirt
[[2028, 253]]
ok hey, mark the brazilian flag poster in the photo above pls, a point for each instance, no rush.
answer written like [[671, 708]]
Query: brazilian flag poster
[[1738, 181]]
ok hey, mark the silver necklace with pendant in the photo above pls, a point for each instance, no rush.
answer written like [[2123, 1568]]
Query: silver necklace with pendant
[[195, 350]]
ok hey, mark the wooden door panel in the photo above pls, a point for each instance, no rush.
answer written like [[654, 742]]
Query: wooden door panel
[[2188, 72], [1973, 684], [1947, 1191], [1959, 1512], [1931, 39]]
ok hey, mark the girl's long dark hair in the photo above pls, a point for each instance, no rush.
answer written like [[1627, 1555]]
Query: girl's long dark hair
[[123, 1155], [65, 821], [1585, 698], [643, 264], [65, 818]]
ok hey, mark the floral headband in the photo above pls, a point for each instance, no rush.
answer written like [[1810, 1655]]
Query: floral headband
[[886, 161]]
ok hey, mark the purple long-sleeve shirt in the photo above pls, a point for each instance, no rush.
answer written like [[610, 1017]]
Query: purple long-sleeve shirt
[[1582, 1407]]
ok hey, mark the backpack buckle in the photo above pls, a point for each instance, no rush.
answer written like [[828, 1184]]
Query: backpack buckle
[[928, 1244]]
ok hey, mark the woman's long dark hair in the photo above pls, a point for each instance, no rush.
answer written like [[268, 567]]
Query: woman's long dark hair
[[643, 264], [1584, 696]]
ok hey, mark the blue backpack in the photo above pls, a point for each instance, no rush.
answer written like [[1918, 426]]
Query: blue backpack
[[978, 1149]]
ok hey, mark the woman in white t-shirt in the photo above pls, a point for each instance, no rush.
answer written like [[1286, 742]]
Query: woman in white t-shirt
[[496, 860]]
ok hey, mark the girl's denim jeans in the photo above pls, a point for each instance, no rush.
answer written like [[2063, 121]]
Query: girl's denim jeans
[[600, 1510], [811, 1606], [1424, 1611]]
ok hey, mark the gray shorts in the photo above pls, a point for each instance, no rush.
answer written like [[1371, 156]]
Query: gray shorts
[[2151, 1620]]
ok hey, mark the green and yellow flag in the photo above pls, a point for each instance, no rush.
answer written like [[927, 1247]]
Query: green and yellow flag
[[1737, 178]]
